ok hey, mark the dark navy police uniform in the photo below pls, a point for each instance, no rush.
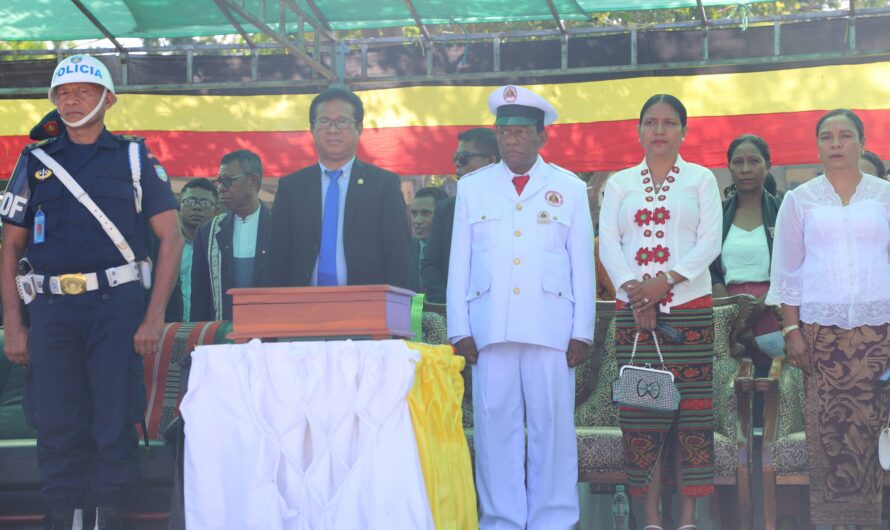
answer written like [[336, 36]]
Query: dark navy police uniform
[[85, 389]]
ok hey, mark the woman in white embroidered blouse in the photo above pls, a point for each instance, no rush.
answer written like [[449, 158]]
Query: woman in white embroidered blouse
[[831, 273], [660, 229]]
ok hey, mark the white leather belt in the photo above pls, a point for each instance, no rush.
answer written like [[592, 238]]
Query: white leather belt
[[80, 283]]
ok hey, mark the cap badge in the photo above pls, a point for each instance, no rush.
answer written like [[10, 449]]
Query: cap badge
[[43, 174], [553, 198], [510, 94]]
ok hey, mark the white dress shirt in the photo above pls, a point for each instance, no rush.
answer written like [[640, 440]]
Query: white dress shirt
[[745, 256], [832, 260], [343, 181], [637, 244]]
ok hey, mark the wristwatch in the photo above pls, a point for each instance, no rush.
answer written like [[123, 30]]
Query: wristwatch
[[670, 279], [788, 329]]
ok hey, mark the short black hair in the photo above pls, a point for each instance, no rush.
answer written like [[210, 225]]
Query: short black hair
[[250, 162], [343, 95], [675, 103], [847, 113], [484, 140], [875, 161], [201, 183], [437, 194], [752, 139]]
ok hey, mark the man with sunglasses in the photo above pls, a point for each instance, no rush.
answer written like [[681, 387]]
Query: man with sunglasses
[[231, 249], [521, 311], [341, 221], [476, 148]]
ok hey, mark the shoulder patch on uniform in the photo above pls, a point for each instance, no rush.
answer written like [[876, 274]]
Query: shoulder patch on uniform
[[563, 170], [162, 173], [41, 143], [130, 137]]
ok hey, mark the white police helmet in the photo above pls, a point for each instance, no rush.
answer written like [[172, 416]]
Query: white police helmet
[[80, 69]]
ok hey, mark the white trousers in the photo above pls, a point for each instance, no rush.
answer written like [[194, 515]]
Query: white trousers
[[510, 382], [302, 436]]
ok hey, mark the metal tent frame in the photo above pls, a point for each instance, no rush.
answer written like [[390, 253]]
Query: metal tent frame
[[318, 47]]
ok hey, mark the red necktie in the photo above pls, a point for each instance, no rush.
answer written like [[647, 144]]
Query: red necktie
[[519, 183]]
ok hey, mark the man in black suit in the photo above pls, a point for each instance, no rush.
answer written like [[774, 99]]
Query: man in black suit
[[422, 212], [354, 232], [231, 250], [476, 148]]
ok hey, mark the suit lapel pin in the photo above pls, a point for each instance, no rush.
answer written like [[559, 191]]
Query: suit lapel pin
[[360, 181], [554, 198], [543, 217]]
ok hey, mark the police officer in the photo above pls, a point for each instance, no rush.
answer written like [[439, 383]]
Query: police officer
[[75, 210], [521, 310]]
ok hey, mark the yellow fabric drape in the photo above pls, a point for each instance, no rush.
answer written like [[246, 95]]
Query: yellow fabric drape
[[435, 405]]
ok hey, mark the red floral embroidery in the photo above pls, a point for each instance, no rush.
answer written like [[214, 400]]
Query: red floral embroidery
[[644, 172], [660, 254], [647, 180], [650, 198], [661, 215], [648, 233], [675, 169], [647, 276], [644, 256], [661, 197], [649, 189], [665, 188], [659, 234], [668, 298], [643, 217], [670, 178]]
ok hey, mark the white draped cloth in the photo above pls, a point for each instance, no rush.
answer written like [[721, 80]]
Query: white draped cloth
[[833, 260], [302, 436]]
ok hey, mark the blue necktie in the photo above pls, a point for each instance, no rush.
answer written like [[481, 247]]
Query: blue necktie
[[327, 256]]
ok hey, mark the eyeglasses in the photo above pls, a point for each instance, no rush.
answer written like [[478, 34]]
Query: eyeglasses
[[462, 158], [339, 123], [226, 182], [521, 132], [191, 202]]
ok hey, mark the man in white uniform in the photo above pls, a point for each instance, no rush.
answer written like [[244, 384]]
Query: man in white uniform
[[521, 310]]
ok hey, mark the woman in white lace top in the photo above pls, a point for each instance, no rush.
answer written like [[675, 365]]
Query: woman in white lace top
[[831, 274]]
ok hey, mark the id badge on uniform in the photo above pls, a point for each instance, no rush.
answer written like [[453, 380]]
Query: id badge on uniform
[[39, 227]]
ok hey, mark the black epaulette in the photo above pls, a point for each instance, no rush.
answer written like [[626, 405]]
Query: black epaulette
[[41, 143], [130, 138]]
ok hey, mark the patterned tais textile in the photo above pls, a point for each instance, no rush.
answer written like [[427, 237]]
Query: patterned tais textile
[[645, 432], [845, 411], [162, 369]]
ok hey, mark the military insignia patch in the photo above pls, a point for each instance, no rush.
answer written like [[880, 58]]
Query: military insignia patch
[[43, 174], [510, 94], [553, 198], [161, 173]]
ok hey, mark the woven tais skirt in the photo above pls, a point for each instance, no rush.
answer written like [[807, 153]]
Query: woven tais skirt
[[649, 435]]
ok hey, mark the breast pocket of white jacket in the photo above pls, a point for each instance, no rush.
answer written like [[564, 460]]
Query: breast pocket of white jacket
[[553, 230], [484, 222]]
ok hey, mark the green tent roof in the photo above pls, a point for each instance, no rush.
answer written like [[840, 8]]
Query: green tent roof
[[37, 20]]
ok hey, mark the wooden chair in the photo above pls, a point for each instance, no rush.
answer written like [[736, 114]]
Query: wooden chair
[[600, 443]]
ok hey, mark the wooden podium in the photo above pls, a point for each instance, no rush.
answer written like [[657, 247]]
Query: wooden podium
[[358, 311]]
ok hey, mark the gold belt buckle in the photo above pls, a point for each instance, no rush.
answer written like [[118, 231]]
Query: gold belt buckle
[[73, 283]]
